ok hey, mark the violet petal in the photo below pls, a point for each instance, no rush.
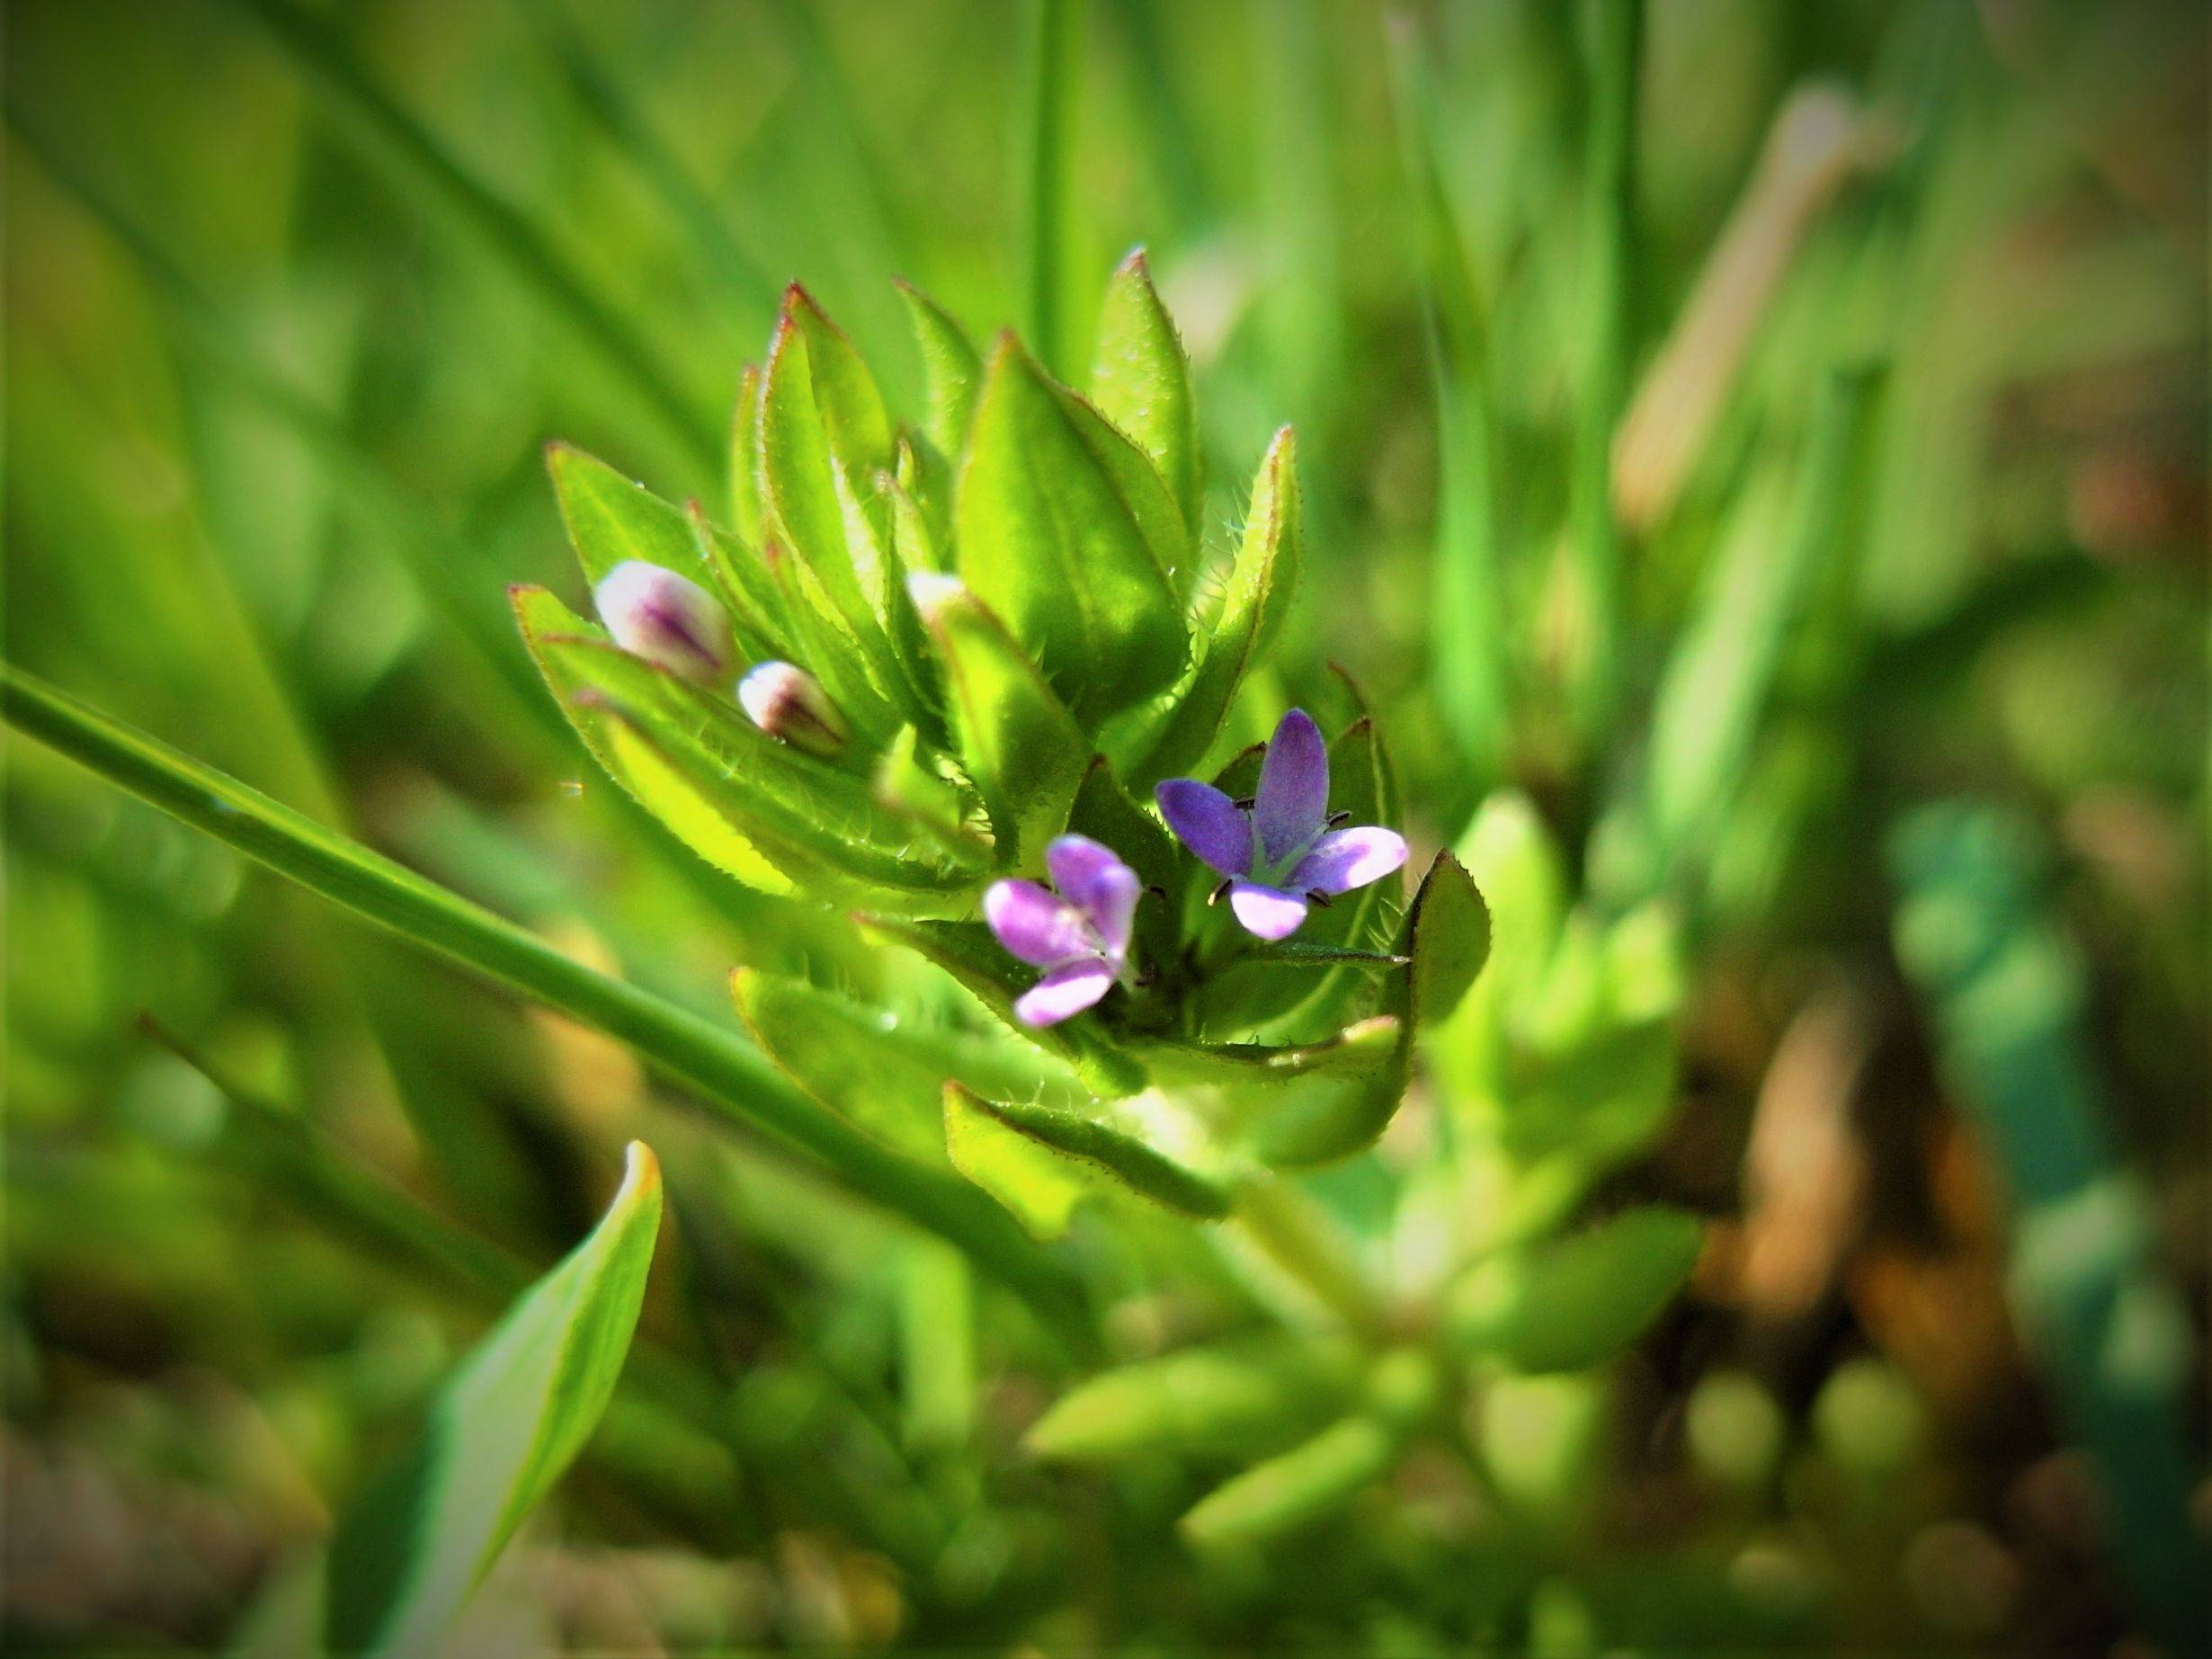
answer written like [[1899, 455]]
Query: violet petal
[[1267, 913], [1293, 801], [1067, 989], [1346, 859], [1208, 822], [1038, 925], [1093, 879]]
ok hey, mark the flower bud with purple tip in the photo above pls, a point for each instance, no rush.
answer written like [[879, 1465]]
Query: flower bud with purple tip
[[786, 701], [669, 620]]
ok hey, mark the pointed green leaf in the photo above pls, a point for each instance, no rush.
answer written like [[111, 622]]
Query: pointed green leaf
[[1271, 1498], [1039, 1187], [503, 1431], [1141, 1167], [1205, 1402], [1140, 380], [884, 1073], [611, 518], [1355, 1050], [1261, 583], [1060, 525], [966, 952], [744, 460], [950, 365], [782, 800], [748, 587], [1574, 1302], [1023, 748], [1447, 934], [816, 425], [654, 780]]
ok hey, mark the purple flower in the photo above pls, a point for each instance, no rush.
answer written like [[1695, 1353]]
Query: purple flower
[[1079, 935], [1280, 853]]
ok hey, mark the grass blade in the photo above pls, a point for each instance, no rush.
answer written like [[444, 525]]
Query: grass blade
[[1608, 250], [682, 1046], [1049, 141], [1467, 641], [434, 172]]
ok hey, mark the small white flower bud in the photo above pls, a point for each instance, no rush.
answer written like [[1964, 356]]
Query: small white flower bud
[[788, 702], [668, 619]]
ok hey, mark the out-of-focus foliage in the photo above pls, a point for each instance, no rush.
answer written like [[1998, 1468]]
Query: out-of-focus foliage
[[1750, 509]]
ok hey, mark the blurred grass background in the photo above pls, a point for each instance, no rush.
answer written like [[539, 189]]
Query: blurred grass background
[[294, 297]]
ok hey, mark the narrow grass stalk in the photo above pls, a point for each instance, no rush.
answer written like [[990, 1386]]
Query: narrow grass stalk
[[1467, 618], [430, 170], [682, 1046], [609, 105], [1048, 155], [1608, 252], [1720, 681]]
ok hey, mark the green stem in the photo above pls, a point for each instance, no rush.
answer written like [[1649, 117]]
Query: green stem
[[682, 1046], [1608, 212]]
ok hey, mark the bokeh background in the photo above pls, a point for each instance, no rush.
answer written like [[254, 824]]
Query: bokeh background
[[294, 297]]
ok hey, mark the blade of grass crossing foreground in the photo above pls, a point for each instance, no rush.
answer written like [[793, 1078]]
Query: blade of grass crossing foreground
[[429, 168], [682, 1046], [1608, 210]]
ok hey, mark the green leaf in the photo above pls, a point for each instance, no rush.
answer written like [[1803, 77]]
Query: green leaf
[[748, 587], [1141, 1167], [1572, 1303], [1447, 936], [1065, 529], [611, 518], [982, 967], [821, 826], [1203, 1402], [502, 1429], [1140, 380], [884, 1073], [1039, 1187], [1357, 1049], [819, 427], [1023, 749], [1271, 1498], [745, 511], [654, 781], [689, 1051], [949, 366], [1261, 583]]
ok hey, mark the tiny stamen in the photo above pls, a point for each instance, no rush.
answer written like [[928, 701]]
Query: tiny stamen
[[1247, 804], [1336, 818], [1318, 897], [1221, 890]]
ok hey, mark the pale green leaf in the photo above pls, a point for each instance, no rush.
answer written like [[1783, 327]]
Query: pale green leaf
[[501, 1431]]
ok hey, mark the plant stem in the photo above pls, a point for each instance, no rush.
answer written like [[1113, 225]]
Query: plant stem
[[682, 1046]]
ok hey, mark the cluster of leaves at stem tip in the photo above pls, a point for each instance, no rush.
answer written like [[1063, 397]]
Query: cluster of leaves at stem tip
[[971, 679]]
